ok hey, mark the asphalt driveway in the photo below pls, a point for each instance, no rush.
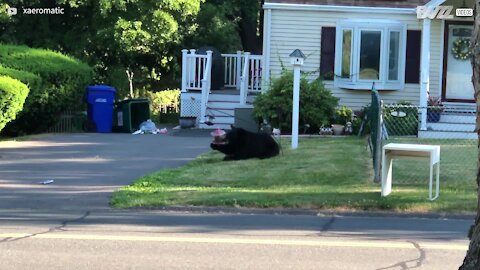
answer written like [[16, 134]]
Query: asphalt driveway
[[87, 168]]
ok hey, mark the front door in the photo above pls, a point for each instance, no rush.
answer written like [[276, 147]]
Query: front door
[[457, 75]]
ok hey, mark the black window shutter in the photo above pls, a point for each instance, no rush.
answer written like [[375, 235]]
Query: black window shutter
[[327, 53], [412, 63]]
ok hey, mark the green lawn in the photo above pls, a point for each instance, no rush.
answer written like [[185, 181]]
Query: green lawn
[[324, 173]]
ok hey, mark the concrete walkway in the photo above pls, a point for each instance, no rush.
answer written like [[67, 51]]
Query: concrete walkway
[[87, 168]]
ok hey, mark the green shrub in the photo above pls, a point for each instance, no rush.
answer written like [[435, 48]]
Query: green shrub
[[12, 97], [360, 116], [60, 88], [165, 105], [317, 104], [401, 126], [160, 100]]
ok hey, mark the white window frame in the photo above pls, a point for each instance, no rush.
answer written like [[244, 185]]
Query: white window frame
[[385, 27]]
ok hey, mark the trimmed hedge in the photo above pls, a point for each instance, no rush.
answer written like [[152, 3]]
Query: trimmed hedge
[[162, 99], [57, 84], [165, 105], [12, 97], [28, 78]]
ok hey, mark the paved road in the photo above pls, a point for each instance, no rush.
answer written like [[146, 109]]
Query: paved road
[[173, 240], [68, 224]]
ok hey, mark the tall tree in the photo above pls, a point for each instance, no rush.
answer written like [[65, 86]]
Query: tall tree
[[143, 36], [232, 22], [472, 258]]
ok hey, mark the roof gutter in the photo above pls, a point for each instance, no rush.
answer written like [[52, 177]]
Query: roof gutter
[[355, 9]]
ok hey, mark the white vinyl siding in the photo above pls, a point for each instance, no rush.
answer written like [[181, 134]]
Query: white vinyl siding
[[299, 29]]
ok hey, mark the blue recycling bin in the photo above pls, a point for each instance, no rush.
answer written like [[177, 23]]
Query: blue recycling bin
[[100, 100]]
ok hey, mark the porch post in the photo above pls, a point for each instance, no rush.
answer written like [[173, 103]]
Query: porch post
[[184, 70], [208, 65], [192, 69], [238, 69], [425, 73], [245, 79]]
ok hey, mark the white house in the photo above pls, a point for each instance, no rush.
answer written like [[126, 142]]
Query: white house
[[354, 43]]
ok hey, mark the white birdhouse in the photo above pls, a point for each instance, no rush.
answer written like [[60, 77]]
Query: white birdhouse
[[297, 57]]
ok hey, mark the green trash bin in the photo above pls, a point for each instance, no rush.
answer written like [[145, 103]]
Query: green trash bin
[[129, 114]]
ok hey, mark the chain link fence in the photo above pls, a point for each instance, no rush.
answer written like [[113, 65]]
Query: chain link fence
[[453, 128]]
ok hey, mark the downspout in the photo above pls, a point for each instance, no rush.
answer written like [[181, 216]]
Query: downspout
[[267, 30]]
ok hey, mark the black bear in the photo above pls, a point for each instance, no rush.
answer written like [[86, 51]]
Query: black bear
[[239, 143]]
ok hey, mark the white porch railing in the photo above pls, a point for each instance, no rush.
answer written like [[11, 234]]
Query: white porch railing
[[243, 72], [196, 75], [193, 70], [255, 79], [234, 66]]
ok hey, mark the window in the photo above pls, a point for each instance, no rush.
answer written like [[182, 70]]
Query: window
[[370, 51], [346, 53]]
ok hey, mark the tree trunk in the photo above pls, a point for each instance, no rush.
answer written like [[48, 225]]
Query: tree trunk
[[248, 34], [248, 26], [472, 259], [130, 81]]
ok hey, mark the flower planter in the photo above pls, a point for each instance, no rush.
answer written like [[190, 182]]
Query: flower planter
[[337, 129], [433, 116], [187, 122]]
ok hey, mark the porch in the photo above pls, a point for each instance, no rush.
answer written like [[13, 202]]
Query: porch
[[214, 84], [458, 118]]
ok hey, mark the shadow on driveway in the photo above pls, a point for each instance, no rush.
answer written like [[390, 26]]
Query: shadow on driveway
[[86, 168]]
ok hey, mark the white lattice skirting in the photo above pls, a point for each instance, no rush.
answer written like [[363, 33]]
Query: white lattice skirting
[[190, 105]]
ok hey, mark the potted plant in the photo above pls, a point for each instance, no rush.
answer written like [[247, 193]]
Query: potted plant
[[325, 129], [434, 109], [187, 121], [342, 116]]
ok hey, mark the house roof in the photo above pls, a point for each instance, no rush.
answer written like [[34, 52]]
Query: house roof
[[358, 3]]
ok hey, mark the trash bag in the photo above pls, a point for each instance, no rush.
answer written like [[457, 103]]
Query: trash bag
[[148, 126]]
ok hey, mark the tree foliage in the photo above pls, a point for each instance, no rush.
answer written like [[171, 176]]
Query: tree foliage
[[143, 36], [230, 25]]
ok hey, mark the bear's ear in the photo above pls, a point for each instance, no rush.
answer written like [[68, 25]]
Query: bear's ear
[[232, 126]]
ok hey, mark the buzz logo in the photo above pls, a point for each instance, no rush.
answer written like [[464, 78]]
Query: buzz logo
[[442, 12], [439, 12]]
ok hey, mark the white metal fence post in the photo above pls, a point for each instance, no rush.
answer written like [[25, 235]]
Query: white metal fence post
[[425, 74]]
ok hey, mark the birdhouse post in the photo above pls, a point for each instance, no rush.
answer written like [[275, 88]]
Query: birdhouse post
[[296, 59]]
